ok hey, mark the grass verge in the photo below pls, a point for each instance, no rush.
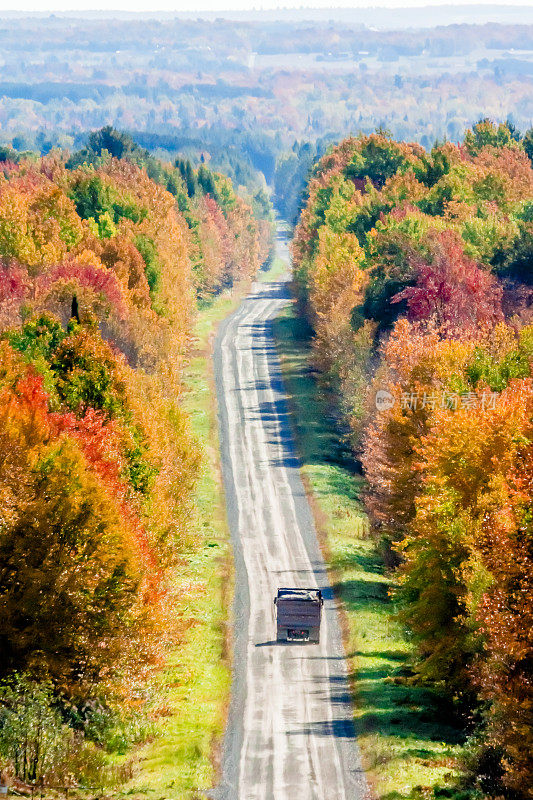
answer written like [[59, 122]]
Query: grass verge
[[277, 268], [409, 743], [180, 762]]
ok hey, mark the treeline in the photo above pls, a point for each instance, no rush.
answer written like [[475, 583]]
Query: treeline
[[443, 40], [259, 86], [293, 170], [415, 270], [181, 40], [244, 136], [101, 266], [249, 161]]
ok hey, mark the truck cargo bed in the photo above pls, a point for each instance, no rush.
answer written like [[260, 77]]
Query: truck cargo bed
[[298, 614]]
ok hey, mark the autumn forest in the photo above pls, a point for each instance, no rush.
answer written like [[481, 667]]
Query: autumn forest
[[414, 270], [141, 192], [102, 271]]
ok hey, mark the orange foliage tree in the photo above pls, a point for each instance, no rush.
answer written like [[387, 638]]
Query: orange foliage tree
[[97, 461]]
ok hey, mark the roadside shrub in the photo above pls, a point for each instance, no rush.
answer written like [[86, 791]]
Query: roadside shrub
[[38, 747], [33, 738]]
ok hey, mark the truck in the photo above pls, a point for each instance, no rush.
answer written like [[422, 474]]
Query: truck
[[298, 614]]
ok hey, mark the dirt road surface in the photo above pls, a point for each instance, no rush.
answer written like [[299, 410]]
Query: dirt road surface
[[290, 734]]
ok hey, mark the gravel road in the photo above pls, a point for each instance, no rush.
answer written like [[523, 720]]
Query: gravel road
[[290, 734]]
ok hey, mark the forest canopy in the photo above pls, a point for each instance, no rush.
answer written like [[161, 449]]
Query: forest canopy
[[415, 271]]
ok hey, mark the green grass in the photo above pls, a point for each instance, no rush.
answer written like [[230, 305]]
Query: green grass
[[276, 269], [408, 742]]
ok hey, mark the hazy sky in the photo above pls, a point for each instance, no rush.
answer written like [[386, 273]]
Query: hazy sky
[[220, 5]]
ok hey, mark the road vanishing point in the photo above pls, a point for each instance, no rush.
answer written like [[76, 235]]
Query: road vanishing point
[[290, 732]]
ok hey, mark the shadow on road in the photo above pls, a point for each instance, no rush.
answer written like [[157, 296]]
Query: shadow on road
[[283, 643], [340, 728]]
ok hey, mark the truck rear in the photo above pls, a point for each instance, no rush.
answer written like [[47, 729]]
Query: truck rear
[[298, 614]]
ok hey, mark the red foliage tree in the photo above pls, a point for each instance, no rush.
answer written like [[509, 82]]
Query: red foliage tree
[[14, 289], [98, 280], [451, 290], [101, 442]]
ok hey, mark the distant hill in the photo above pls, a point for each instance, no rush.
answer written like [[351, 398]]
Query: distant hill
[[379, 17]]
